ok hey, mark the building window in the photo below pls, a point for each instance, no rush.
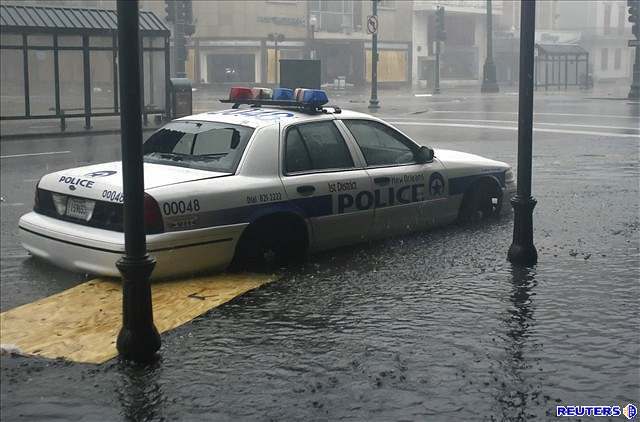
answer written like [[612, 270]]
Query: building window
[[607, 18], [622, 17], [617, 59], [604, 59], [387, 4], [333, 15]]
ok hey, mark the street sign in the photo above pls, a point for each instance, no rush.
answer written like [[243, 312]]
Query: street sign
[[372, 24], [633, 43]]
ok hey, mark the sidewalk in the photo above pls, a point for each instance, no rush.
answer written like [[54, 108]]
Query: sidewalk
[[35, 128]]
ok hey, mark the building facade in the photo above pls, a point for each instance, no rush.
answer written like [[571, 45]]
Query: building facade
[[463, 52], [604, 30], [600, 27], [232, 42]]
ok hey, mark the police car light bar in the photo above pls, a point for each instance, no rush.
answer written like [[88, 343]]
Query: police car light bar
[[308, 100]]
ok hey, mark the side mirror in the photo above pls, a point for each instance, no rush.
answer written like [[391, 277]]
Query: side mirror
[[424, 155]]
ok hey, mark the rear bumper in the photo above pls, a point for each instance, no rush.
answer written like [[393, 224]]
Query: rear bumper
[[96, 251]]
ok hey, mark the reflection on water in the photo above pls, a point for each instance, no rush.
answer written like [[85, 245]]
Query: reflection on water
[[518, 320], [138, 391]]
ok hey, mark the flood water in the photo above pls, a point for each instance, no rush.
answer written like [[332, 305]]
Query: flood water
[[430, 326]]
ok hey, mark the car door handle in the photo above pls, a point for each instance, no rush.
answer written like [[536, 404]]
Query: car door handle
[[382, 180], [306, 189]]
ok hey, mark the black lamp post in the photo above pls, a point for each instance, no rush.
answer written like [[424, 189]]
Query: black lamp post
[[374, 104], [138, 339], [522, 250], [634, 18], [489, 83]]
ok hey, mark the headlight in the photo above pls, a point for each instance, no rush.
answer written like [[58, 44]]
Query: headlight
[[509, 177]]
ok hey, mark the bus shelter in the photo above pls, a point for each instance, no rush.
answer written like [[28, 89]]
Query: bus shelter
[[560, 66], [62, 62]]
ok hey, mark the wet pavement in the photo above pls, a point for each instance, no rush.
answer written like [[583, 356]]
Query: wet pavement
[[431, 326]]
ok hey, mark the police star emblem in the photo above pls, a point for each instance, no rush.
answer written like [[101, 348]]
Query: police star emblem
[[436, 184]]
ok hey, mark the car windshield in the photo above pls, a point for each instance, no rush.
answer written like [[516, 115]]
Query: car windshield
[[211, 146]]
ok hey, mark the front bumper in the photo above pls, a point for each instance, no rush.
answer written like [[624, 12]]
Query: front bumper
[[96, 251]]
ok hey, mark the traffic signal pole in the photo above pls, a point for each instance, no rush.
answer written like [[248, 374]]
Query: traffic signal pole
[[436, 70], [373, 101], [180, 13], [522, 251], [441, 35]]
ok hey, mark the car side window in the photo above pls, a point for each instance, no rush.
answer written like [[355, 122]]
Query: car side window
[[316, 146], [380, 144], [297, 157]]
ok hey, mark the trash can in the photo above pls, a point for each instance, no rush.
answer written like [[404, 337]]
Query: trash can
[[181, 97]]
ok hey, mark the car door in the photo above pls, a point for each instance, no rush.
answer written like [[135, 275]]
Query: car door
[[323, 181], [406, 193]]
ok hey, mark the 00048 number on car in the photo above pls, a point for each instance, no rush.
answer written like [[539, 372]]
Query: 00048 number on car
[[180, 207]]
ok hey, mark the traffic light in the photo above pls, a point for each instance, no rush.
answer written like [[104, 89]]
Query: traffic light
[[634, 16], [441, 34], [170, 8], [184, 14]]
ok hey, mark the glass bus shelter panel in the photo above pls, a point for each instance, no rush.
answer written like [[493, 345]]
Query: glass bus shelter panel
[[102, 84], [41, 82], [71, 81], [12, 82], [154, 80]]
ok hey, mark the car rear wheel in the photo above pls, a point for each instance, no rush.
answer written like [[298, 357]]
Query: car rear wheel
[[270, 243], [482, 201]]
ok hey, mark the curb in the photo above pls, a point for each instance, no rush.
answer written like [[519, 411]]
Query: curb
[[70, 134]]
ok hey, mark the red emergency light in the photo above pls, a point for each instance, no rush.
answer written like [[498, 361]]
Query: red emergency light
[[240, 93]]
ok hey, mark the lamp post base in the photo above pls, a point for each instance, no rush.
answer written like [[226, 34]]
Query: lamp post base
[[522, 251], [489, 83], [374, 104], [138, 339], [489, 87]]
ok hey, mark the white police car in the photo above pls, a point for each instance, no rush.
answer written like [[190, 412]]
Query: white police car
[[273, 181]]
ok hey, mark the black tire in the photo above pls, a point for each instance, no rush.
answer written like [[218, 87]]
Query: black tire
[[270, 243], [482, 201]]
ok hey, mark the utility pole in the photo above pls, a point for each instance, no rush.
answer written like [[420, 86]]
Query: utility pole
[[138, 339], [489, 83], [441, 35], [634, 18], [372, 27], [522, 251]]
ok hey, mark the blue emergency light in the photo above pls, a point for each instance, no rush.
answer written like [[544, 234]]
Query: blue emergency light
[[280, 94], [314, 97]]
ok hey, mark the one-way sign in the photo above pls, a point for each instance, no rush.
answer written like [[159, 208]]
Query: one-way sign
[[372, 24]]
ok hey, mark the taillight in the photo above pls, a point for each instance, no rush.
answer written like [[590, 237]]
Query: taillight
[[152, 217]]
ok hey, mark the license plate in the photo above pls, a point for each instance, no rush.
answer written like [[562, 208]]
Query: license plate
[[82, 209]]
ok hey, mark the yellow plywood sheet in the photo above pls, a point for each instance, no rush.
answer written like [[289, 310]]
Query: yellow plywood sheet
[[81, 324], [392, 66]]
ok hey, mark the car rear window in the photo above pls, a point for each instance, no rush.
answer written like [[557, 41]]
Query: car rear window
[[211, 146]]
